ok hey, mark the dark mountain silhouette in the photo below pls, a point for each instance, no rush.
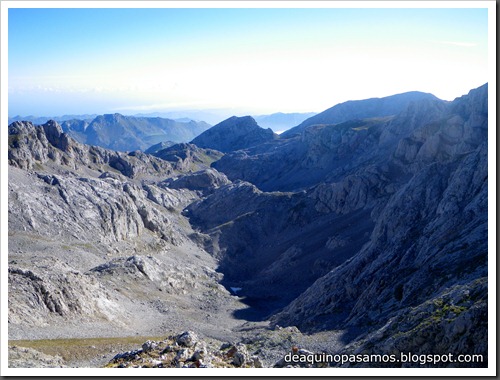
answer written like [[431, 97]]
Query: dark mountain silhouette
[[233, 134]]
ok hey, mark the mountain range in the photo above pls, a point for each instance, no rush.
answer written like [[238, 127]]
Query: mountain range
[[142, 131], [363, 230], [129, 133]]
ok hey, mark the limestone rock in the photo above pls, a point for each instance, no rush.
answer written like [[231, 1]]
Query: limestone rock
[[187, 339]]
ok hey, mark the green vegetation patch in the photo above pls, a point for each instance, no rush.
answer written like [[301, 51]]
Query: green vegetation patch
[[83, 349]]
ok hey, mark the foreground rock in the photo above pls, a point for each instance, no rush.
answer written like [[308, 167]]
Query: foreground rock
[[186, 351], [265, 349]]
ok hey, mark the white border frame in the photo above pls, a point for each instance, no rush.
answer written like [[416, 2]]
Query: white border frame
[[490, 371]]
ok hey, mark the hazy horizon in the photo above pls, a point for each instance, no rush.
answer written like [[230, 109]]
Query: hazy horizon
[[237, 61]]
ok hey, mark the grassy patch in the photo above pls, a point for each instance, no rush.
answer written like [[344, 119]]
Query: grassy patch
[[84, 349]]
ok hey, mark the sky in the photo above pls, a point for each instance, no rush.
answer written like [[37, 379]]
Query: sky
[[239, 61]]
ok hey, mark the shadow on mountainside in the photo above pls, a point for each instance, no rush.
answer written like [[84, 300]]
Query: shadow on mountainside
[[259, 309]]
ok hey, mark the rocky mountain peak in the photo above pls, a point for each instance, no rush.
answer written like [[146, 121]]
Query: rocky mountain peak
[[240, 122], [233, 134], [55, 134], [21, 127]]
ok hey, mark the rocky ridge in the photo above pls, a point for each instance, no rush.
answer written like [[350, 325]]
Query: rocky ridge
[[433, 229], [96, 239]]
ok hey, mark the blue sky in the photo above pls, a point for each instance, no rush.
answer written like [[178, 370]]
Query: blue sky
[[76, 61]]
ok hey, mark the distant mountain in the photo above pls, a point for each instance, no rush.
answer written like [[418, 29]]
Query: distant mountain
[[44, 119], [233, 134], [76, 128], [157, 147], [280, 122], [362, 109], [129, 133], [210, 116]]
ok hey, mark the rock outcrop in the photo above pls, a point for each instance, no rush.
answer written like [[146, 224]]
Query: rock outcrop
[[188, 157], [22, 357], [30, 147], [157, 147]]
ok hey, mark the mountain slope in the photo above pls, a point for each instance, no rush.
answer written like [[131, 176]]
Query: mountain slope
[[233, 134], [399, 220], [429, 237], [361, 109], [329, 151]]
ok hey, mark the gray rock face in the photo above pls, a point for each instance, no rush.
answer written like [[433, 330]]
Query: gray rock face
[[188, 157], [61, 294], [205, 181], [233, 134], [91, 209], [30, 147], [97, 241], [453, 322]]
